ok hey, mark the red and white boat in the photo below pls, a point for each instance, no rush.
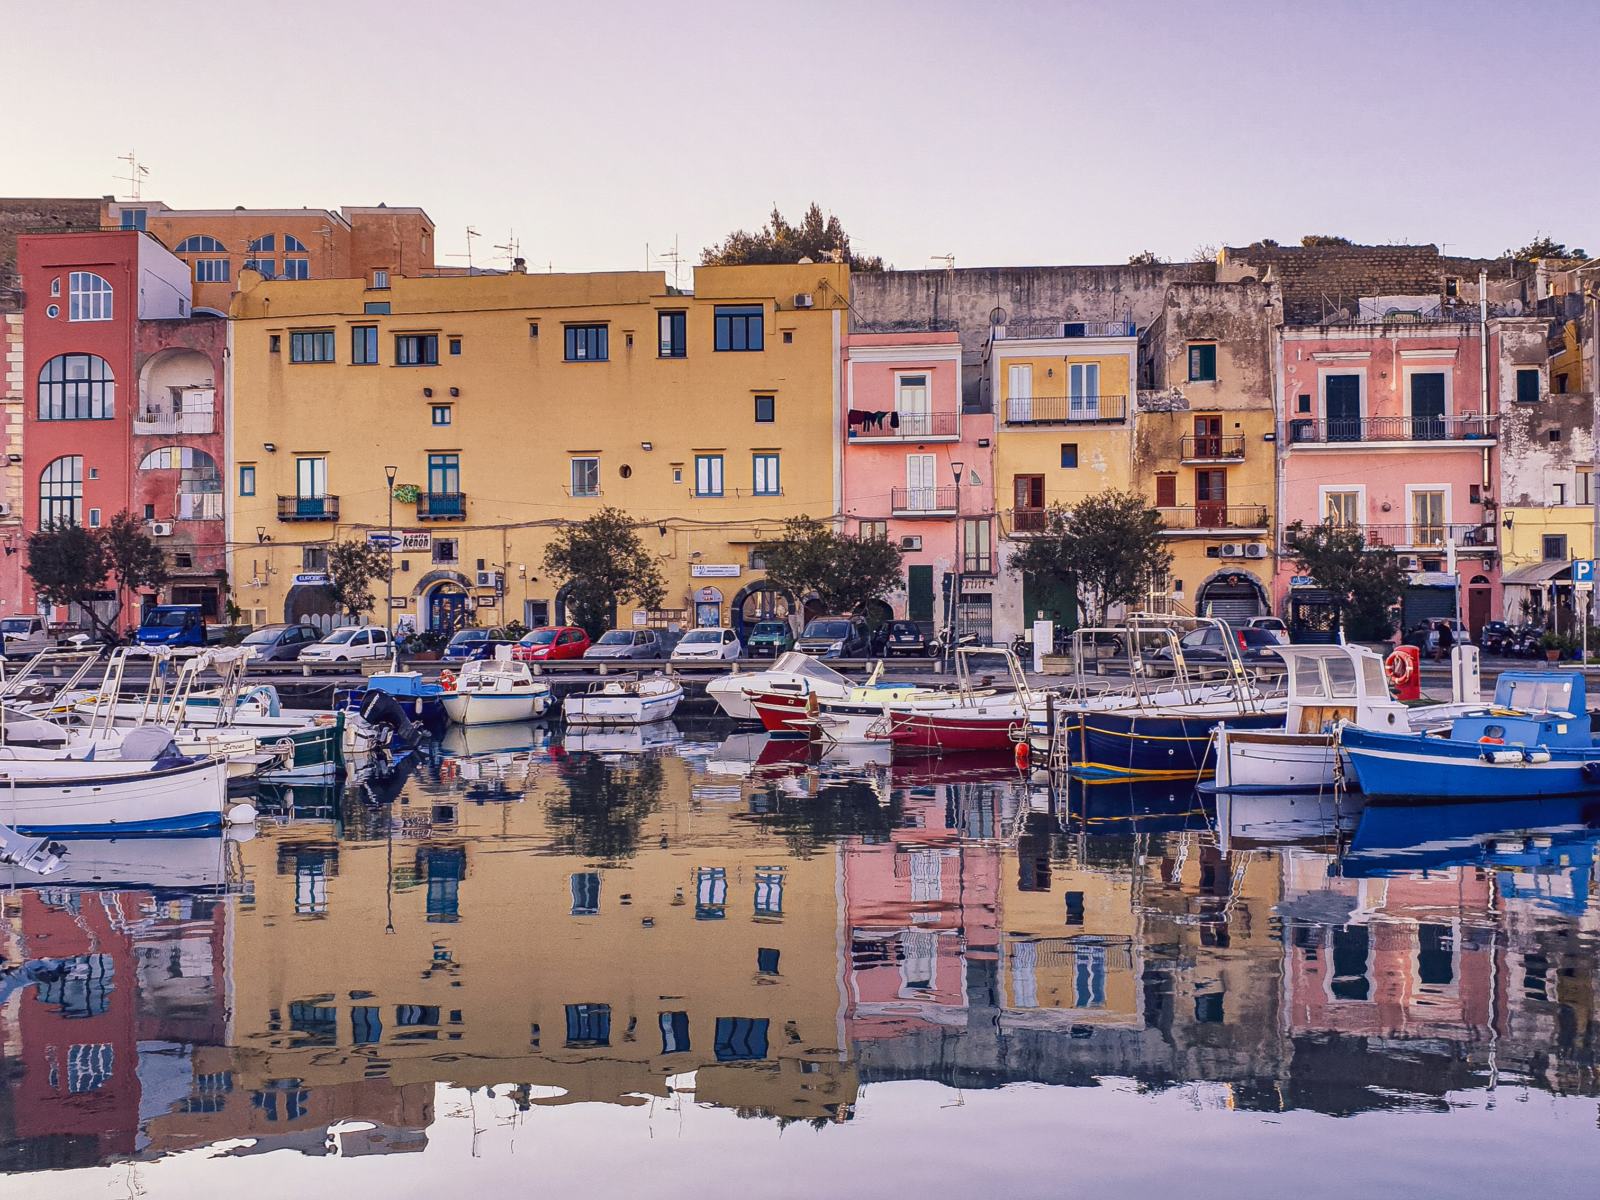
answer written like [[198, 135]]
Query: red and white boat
[[820, 713], [792, 674], [966, 719]]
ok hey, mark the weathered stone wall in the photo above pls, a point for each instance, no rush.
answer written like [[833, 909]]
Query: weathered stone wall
[[23, 215], [1532, 461]]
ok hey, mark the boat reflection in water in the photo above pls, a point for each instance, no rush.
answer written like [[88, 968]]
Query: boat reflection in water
[[697, 926]]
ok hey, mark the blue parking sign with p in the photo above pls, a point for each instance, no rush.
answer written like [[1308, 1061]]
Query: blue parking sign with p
[[1583, 570]]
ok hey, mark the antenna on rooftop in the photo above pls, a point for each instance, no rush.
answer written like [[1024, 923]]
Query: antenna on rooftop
[[136, 172], [512, 250], [674, 259], [471, 233], [949, 260]]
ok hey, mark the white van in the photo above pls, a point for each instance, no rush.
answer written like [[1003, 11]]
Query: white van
[[26, 636]]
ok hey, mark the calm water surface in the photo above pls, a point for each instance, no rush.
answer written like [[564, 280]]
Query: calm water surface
[[688, 964]]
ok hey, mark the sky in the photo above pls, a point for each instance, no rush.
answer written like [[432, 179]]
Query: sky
[[600, 135]]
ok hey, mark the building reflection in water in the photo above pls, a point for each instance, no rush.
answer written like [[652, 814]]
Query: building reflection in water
[[732, 924]]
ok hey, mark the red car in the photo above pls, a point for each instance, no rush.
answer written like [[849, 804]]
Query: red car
[[551, 642]]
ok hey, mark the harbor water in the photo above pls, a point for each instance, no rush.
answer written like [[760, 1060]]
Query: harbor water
[[687, 960]]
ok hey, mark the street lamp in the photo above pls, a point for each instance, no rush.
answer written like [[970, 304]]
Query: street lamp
[[389, 473], [956, 468]]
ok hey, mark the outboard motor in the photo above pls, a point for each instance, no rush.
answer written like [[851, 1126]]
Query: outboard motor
[[382, 711]]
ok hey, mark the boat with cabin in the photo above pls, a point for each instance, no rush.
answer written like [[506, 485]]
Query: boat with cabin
[[491, 691], [624, 701], [791, 673]]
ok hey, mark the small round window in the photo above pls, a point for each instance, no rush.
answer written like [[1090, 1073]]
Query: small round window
[[626, 471], [53, 311]]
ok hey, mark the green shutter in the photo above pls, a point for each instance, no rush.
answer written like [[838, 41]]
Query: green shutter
[[1527, 386], [919, 579]]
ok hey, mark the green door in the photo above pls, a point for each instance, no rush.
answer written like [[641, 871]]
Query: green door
[[919, 583], [1048, 599]]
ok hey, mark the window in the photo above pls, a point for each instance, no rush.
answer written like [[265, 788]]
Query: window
[[135, 218], [1585, 487], [588, 1025], [311, 478], [674, 1032], [873, 531], [769, 892], [741, 1039], [212, 270], [200, 243], [708, 475], [586, 477], [55, 286], [1069, 455], [247, 480], [1427, 518], [416, 349], [766, 408], [444, 474], [76, 387], [380, 278], [94, 518], [311, 346], [1202, 363], [1083, 391], [1560, 490], [364, 345], [585, 893], [444, 550], [1166, 491], [441, 414], [61, 492], [911, 405], [296, 268], [313, 558], [275, 343], [672, 328], [455, 346], [710, 893], [267, 243], [1527, 384], [739, 327], [587, 343], [1029, 491], [1555, 547], [766, 475], [90, 297], [767, 960], [267, 267], [1342, 508], [975, 557]]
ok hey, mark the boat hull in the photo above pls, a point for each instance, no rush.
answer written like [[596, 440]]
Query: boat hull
[[122, 801], [957, 730], [1274, 761], [1138, 744], [1409, 767], [601, 709], [487, 708]]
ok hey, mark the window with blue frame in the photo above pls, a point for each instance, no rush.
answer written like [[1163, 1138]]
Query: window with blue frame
[[741, 1039], [443, 867], [211, 270], [588, 1025], [739, 327], [769, 891], [441, 414], [708, 475], [416, 350], [673, 335], [585, 893], [364, 345], [444, 474], [587, 343], [766, 409], [317, 1024], [766, 960], [710, 894], [765, 475], [247, 481], [366, 1024], [674, 1033]]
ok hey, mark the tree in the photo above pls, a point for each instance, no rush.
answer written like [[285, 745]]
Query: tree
[[1205, 253], [1109, 546], [1363, 582], [1544, 246], [136, 561], [604, 561], [353, 566], [843, 572], [1313, 241], [68, 565], [1145, 258], [821, 239]]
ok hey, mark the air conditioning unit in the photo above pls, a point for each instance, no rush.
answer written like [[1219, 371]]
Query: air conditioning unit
[[1410, 562], [1231, 550], [803, 300], [488, 579], [5, 509], [160, 528], [1255, 550], [911, 541]]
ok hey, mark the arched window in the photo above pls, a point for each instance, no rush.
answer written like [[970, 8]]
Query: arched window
[[90, 299], [199, 481], [61, 493], [265, 244], [77, 387], [200, 243], [293, 245]]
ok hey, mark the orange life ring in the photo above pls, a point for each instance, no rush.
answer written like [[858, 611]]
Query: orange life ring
[[447, 680], [1398, 667], [1491, 741]]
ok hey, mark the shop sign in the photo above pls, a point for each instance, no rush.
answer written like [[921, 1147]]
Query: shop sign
[[714, 570]]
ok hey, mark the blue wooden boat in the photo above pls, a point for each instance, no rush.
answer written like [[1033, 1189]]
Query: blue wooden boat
[[1535, 740]]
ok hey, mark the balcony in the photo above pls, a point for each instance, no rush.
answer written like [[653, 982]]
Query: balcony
[[1029, 520], [308, 508], [908, 426], [1213, 448], [442, 506], [923, 502], [1471, 429], [1425, 539], [1066, 410], [165, 421], [1209, 518]]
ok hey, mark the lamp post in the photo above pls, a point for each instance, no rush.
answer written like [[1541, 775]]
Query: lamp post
[[956, 468], [389, 473]]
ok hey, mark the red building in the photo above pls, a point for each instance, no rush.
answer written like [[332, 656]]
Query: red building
[[123, 406]]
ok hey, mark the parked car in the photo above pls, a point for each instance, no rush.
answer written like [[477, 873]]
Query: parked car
[[906, 637], [551, 642], [27, 635], [1425, 636], [1204, 648], [711, 643], [469, 645], [768, 639], [628, 643], [348, 643], [835, 637], [1272, 625], [281, 643]]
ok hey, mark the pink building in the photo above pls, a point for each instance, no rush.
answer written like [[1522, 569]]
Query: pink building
[[1387, 427], [907, 441]]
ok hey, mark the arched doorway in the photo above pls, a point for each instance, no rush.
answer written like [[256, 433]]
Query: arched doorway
[[1479, 596], [311, 604], [758, 601], [442, 601], [1233, 596]]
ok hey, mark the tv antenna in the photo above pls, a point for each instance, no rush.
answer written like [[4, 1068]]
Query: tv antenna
[[471, 233], [512, 250], [949, 260], [136, 172], [670, 257]]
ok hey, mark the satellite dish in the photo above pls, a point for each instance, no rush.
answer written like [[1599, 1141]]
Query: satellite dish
[[997, 315], [1513, 308]]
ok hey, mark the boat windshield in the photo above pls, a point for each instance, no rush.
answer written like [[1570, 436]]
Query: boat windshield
[[1377, 681], [1341, 677], [796, 663], [1539, 695]]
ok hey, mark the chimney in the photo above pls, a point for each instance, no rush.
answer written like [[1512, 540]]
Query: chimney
[[519, 266]]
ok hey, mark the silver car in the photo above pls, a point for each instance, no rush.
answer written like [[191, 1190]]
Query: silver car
[[629, 643], [281, 643]]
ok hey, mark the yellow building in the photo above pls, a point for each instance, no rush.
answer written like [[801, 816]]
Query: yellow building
[[1203, 445], [1063, 395], [510, 404]]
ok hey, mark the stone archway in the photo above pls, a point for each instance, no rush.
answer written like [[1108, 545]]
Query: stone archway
[[441, 598], [759, 601], [311, 604], [1232, 595]]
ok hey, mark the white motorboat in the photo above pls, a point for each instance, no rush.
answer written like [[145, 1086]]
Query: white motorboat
[[791, 672], [494, 690], [624, 702]]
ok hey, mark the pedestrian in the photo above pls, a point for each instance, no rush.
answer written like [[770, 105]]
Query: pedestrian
[[1447, 639]]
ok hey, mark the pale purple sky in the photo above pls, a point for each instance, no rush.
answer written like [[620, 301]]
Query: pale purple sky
[[1000, 133]]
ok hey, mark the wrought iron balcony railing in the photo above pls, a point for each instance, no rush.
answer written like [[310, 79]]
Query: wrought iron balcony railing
[[1213, 516], [1065, 410], [442, 506], [1466, 535], [900, 426], [929, 500], [308, 508], [1213, 447], [1454, 427]]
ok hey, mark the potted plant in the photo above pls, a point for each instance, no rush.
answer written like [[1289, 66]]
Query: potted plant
[[1554, 646]]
